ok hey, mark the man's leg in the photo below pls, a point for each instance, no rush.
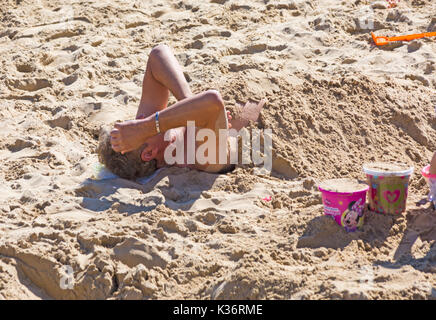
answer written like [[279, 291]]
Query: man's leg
[[163, 74]]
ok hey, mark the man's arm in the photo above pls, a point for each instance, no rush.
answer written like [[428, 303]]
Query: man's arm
[[205, 109]]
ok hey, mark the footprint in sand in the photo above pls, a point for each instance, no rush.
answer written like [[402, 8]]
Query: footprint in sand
[[62, 121], [414, 46], [20, 144], [25, 67], [70, 79], [28, 84], [66, 34]]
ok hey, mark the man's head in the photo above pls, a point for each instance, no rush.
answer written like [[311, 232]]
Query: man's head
[[128, 165], [154, 149]]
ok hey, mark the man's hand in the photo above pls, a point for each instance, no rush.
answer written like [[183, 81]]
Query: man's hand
[[128, 135]]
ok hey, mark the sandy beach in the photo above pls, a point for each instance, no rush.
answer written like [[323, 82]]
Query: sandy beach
[[335, 102]]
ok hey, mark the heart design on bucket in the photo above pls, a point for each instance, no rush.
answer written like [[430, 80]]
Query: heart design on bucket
[[391, 196]]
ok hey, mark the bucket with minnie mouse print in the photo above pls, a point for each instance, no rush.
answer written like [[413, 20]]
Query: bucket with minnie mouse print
[[344, 200], [388, 186]]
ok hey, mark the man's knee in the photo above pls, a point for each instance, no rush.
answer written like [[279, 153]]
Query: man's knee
[[159, 50], [214, 97]]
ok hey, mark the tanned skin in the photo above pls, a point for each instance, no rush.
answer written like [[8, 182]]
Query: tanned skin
[[164, 75]]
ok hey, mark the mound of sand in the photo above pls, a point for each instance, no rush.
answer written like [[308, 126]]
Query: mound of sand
[[334, 102]]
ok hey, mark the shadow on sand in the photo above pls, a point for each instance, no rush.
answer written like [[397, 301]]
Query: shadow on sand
[[421, 224], [323, 231], [176, 188]]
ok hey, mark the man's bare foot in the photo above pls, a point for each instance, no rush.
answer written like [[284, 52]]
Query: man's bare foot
[[247, 113]]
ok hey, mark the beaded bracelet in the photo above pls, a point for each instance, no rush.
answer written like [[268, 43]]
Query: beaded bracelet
[[157, 122]]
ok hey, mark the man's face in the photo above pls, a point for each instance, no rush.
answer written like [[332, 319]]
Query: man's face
[[152, 147]]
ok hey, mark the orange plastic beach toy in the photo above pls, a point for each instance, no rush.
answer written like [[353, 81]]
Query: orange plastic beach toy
[[380, 41], [393, 3]]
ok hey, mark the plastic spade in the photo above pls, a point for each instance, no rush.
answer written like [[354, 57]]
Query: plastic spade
[[380, 41]]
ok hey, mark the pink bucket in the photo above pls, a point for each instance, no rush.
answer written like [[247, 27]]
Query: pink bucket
[[346, 208], [426, 173], [431, 181]]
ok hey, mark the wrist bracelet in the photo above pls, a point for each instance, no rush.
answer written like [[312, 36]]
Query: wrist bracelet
[[157, 122]]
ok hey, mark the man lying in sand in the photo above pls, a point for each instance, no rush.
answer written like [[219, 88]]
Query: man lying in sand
[[136, 148]]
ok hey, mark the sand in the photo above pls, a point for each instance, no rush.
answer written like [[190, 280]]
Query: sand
[[343, 185], [387, 167], [335, 102]]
